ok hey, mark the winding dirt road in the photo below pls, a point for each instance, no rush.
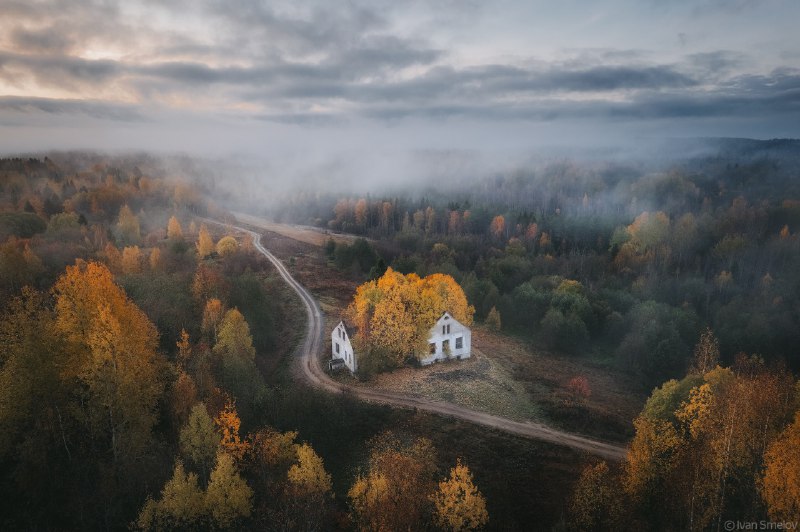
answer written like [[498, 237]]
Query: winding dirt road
[[308, 356]]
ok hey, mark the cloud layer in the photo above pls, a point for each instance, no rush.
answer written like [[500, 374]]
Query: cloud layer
[[323, 64]]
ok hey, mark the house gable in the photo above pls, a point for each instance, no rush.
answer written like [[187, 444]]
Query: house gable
[[448, 338], [342, 348]]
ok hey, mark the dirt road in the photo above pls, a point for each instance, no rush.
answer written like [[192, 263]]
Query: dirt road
[[308, 357]]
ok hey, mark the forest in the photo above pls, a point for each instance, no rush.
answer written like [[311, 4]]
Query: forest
[[131, 393], [144, 380], [624, 260]]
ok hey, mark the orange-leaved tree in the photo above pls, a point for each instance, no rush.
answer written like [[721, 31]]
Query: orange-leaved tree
[[395, 313], [112, 352]]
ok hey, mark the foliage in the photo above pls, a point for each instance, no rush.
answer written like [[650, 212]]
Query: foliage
[[458, 503], [228, 496], [174, 229], [493, 320], [781, 481], [593, 504], [394, 493], [182, 504], [396, 312], [127, 229], [204, 244], [308, 475], [199, 439], [227, 246]]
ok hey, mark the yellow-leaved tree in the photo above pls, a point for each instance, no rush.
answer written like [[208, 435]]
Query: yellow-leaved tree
[[112, 352], [780, 485], [395, 313], [205, 244], [458, 503], [174, 229]]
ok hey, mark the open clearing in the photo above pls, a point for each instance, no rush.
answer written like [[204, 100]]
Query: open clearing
[[505, 376]]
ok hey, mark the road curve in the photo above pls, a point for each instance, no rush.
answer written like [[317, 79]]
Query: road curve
[[311, 370]]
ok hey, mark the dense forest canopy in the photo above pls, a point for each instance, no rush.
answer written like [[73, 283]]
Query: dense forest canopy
[[652, 250]]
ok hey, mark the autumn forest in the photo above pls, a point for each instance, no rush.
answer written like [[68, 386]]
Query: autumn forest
[[148, 373]]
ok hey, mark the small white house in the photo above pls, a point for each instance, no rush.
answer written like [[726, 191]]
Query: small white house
[[448, 338], [341, 349]]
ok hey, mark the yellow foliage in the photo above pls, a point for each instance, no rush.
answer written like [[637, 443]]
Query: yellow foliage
[[228, 496], [205, 245], [131, 259], [227, 245], [694, 413], [155, 259], [308, 475], [397, 311], [174, 229], [458, 502], [780, 485]]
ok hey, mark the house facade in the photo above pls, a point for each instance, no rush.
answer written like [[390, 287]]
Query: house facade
[[447, 339], [342, 349]]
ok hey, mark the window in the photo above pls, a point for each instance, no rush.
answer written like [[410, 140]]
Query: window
[[432, 348], [444, 329], [337, 347], [460, 342], [448, 328], [445, 346]]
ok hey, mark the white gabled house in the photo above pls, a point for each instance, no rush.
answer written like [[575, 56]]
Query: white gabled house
[[447, 339], [342, 353]]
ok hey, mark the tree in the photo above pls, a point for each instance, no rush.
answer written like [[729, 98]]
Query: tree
[[498, 227], [706, 353], [595, 503], [493, 319], [395, 313], [199, 438], [182, 504], [227, 246], [394, 493], [174, 230], [228, 424], [780, 484], [234, 340], [308, 475], [128, 226], [112, 350], [458, 503], [228, 496], [579, 388], [131, 260], [155, 259], [309, 488], [212, 318], [204, 245]]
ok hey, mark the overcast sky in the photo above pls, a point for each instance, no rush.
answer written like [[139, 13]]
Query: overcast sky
[[310, 80]]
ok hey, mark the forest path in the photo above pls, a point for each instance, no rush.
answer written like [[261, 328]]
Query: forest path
[[313, 373]]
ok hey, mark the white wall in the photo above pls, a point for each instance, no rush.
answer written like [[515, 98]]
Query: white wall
[[439, 333], [341, 340]]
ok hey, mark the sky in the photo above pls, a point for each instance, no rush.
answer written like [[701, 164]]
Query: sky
[[312, 85]]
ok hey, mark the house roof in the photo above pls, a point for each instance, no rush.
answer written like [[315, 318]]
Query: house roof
[[351, 331]]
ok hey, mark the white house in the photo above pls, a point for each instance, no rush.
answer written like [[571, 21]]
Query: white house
[[447, 339], [341, 349]]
